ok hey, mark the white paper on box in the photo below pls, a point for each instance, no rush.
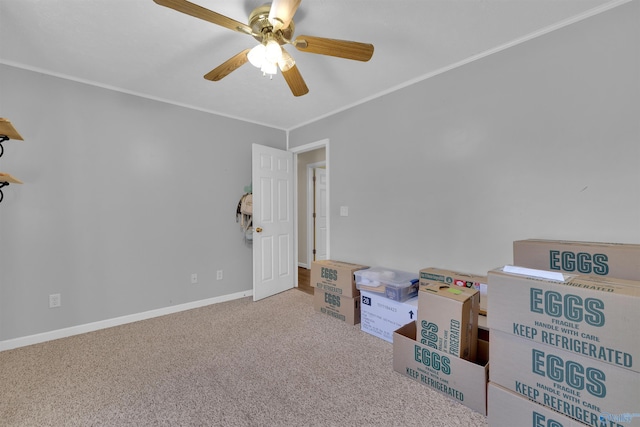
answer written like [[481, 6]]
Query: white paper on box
[[542, 274], [584, 315], [381, 316], [578, 387]]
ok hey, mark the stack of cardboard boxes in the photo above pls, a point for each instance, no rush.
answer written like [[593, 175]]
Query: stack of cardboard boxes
[[335, 292], [389, 300], [442, 349], [564, 350], [564, 346]]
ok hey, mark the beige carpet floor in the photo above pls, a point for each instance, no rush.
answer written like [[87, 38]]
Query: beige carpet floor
[[240, 363]]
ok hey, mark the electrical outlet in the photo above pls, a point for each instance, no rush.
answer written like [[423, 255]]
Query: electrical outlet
[[55, 301], [194, 278], [219, 275]]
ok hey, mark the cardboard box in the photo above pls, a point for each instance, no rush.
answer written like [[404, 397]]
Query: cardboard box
[[465, 280], [504, 407], [381, 316], [595, 317], [337, 306], [461, 380], [576, 386], [588, 258], [335, 276], [448, 319]]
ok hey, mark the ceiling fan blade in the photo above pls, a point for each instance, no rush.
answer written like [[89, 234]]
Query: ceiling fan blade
[[281, 13], [228, 66], [205, 14], [332, 47], [295, 81]]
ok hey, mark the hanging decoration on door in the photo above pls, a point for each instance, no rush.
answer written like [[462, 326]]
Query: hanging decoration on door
[[244, 215]]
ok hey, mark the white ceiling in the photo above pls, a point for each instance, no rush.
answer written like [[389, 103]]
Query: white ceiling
[[139, 47]]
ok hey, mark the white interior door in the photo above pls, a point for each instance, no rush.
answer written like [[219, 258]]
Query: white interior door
[[273, 256], [321, 214]]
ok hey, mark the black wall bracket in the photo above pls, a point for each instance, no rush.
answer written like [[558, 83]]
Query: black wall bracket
[[3, 138], [2, 184]]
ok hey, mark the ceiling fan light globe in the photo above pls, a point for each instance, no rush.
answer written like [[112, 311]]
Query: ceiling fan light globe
[[256, 56], [286, 62], [273, 52], [269, 68]]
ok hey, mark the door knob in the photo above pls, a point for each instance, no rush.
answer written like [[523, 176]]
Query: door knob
[[258, 230]]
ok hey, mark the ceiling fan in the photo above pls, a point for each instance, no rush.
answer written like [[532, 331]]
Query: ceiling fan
[[272, 26]]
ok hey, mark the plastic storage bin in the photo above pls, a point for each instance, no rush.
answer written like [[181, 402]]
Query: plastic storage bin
[[393, 284]]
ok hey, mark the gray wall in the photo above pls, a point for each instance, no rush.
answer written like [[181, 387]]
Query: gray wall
[[537, 141], [124, 198]]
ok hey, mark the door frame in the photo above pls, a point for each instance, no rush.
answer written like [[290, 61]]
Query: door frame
[[311, 231], [302, 149]]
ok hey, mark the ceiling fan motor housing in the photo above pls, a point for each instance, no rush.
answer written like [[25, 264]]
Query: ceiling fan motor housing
[[259, 23]]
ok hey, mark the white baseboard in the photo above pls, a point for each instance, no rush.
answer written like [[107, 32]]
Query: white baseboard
[[304, 265], [108, 323]]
